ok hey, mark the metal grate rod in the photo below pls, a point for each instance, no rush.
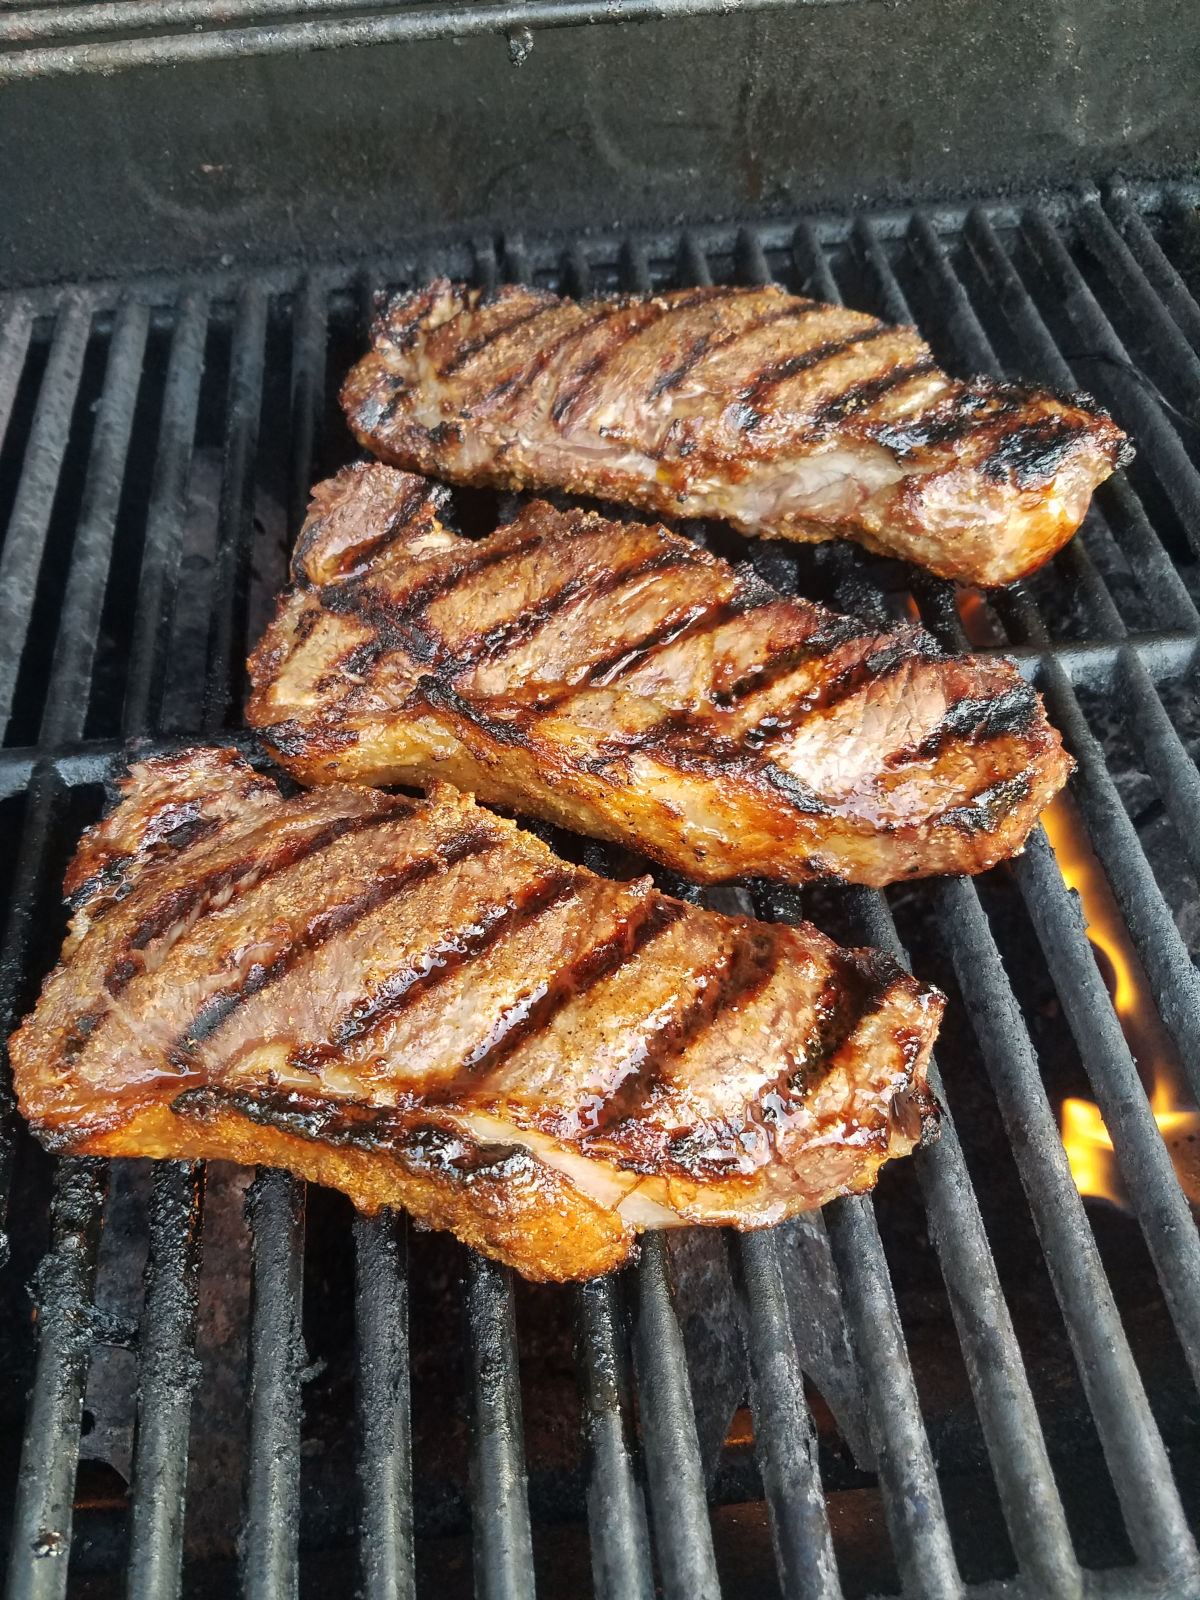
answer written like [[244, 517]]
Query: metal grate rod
[[65, 712], [620, 1540], [499, 1495], [25, 539], [166, 514], [41, 1526], [1012, 1430], [269, 1541], [16, 329], [912, 1497], [385, 1428], [227, 638], [168, 1374], [679, 1509], [1138, 1463], [785, 1441], [308, 388], [1148, 253]]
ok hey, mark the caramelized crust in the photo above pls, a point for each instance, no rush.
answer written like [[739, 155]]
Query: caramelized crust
[[787, 418], [618, 680], [418, 1003]]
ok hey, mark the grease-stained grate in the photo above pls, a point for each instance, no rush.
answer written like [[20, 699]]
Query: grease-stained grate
[[157, 440]]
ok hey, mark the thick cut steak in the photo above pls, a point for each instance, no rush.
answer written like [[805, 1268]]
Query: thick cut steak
[[786, 417], [418, 1003], [619, 680]]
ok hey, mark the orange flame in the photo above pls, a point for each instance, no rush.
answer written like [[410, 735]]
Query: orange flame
[[972, 608], [1085, 1138]]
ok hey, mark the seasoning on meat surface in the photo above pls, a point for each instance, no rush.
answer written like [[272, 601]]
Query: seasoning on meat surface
[[417, 1003], [784, 416], [619, 680]]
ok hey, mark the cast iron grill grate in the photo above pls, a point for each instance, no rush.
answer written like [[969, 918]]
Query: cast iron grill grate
[[157, 440]]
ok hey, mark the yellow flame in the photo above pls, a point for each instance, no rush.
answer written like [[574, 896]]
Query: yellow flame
[[1085, 1138]]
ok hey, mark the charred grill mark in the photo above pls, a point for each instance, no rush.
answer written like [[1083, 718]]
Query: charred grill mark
[[472, 347], [545, 355], [1034, 451], [195, 897], [219, 1007], [589, 585], [1010, 715], [650, 316], [405, 987], [421, 1146], [778, 372], [695, 624], [605, 958], [438, 694], [986, 810], [738, 980], [952, 419], [861, 395], [832, 632], [710, 342]]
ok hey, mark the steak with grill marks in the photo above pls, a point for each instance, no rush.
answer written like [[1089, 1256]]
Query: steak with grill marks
[[418, 1003], [621, 681], [786, 417]]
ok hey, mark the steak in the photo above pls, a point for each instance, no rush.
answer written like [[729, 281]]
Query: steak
[[418, 1003], [621, 681], [786, 417]]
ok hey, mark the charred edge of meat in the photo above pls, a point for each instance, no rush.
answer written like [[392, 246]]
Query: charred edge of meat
[[325, 924], [419, 494], [404, 988], [419, 1145], [985, 811], [1010, 715], [587, 970]]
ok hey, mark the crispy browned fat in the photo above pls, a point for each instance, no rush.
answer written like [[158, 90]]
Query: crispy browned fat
[[619, 680], [786, 417], [418, 1003]]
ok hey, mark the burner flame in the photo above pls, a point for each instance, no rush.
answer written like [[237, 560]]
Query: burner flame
[[1085, 1137]]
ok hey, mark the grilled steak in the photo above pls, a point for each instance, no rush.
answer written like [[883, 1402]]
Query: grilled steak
[[621, 681], [418, 1003], [786, 417]]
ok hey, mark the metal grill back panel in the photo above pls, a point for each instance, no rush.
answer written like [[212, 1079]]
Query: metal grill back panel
[[157, 441]]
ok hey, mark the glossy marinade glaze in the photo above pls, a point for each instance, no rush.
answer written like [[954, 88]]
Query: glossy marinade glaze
[[418, 1003], [786, 417], [620, 681]]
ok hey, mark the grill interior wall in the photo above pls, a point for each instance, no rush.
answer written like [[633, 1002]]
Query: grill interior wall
[[1028, 1365]]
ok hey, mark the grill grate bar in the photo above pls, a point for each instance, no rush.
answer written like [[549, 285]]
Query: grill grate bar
[[167, 510], [679, 1510], [500, 1522], [235, 512], [384, 1408], [1033, 1510], [79, 620], [168, 1374], [308, 385], [785, 1439], [616, 1506], [1167, 341], [1148, 254], [912, 1497], [42, 1517], [1138, 1463], [1113, 372], [269, 1546], [1154, 1189], [16, 329], [25, 540]]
